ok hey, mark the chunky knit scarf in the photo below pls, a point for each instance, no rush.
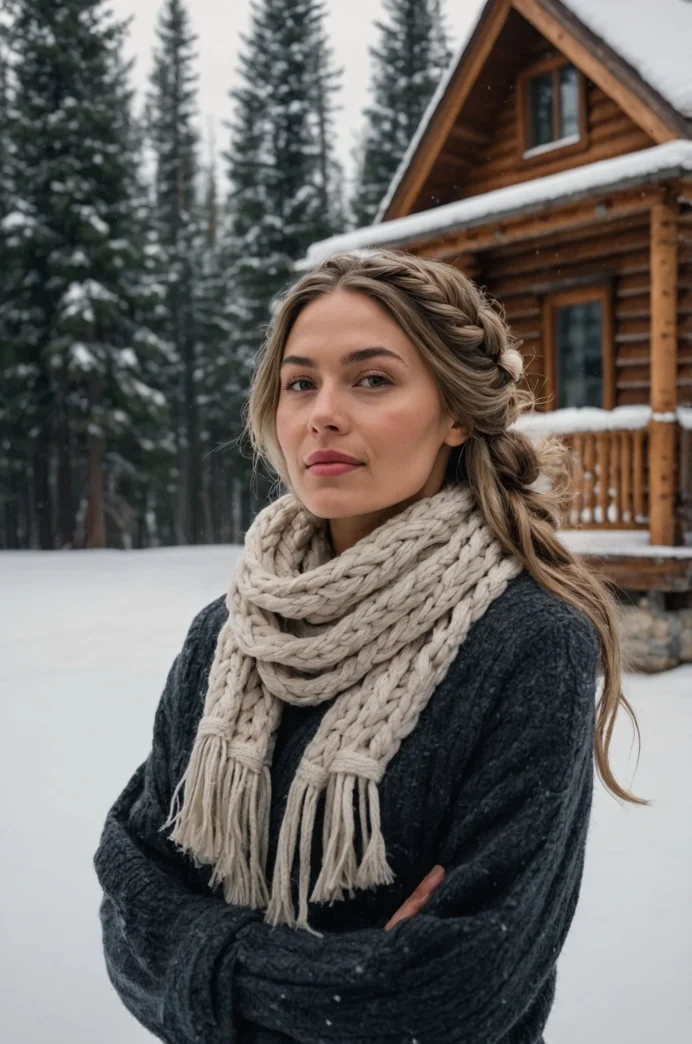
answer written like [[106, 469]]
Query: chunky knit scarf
[[375, 629]]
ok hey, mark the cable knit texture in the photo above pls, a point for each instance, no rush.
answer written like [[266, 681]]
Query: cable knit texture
[[495, 783], [371, 631]]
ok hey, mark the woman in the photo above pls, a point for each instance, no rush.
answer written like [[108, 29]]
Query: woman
[[364, 813]]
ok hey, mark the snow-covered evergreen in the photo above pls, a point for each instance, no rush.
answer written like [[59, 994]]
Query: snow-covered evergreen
[[411, 54], [283, 179], [73, 270], [222, 499], [173, 138], [13, 517]]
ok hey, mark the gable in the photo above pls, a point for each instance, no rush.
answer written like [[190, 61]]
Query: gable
[[463, 127], [484, 149]]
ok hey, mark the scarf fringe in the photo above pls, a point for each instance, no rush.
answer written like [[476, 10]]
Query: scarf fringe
[[302, 795], [340, 870], [231, 833]]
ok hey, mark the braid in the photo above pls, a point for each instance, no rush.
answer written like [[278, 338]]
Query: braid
[[523, 489], [456, 308]]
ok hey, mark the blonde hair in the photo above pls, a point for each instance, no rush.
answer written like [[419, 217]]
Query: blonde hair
[[466, 341]]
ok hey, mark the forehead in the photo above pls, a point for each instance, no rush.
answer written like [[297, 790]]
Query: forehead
[[343, 316]]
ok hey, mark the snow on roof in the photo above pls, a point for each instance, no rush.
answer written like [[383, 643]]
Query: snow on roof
[[672, 159], [653, 36]]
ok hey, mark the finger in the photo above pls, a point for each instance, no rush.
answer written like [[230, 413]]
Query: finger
[[408, 909], [429, 882], [419, 898]]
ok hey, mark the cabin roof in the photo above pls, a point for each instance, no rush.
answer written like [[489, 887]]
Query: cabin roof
[[651, 36], [673, 159]]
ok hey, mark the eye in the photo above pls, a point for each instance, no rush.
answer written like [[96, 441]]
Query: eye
[[366, 376]]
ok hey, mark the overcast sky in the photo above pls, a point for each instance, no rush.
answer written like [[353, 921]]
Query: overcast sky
[[218, 24]]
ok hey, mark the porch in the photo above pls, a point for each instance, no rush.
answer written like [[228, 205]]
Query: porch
[[623, 510]]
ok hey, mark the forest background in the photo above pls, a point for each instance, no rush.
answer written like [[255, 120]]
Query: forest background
[[144, 239]]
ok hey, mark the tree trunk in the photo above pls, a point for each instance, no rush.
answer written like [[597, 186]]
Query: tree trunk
[[42, 500], [192, 455], [95, 521], [65, 507]]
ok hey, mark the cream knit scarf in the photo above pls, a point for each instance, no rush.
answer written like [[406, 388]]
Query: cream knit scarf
[[375, 629]]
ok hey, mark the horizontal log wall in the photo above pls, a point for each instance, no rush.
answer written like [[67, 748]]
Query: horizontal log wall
[[521, 275], [610, 133]]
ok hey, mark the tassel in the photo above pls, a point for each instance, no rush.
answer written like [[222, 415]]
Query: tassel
[[362, 806], [300, 812], [280, 907], [240, 865], [196, 820], [306, 831], [339, 861], [374, 869], [231, 787]]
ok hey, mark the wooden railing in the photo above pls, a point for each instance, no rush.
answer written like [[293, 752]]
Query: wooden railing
[[610, 479]]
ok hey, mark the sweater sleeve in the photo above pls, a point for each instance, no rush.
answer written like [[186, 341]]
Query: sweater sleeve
[[168, 940], [465, 969]]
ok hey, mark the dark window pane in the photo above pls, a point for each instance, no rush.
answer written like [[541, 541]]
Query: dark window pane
[[541, 109], [579, 350], [569, 101]]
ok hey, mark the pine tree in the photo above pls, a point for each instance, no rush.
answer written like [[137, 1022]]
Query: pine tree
[[11, 466], [284, 181], [409, 59], [215, 371], [69, 300], [172, 112]]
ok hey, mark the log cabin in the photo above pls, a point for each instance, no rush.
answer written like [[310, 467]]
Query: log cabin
[[554, 166]]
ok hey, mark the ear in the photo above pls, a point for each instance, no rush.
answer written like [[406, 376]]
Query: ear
[[457, 434]]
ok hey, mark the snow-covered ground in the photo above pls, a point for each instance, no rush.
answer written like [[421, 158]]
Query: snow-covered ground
[[86, 640]]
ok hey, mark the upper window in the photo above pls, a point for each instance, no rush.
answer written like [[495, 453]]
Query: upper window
[[551, 108]]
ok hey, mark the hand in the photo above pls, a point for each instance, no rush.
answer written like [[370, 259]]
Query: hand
[[417, 901]]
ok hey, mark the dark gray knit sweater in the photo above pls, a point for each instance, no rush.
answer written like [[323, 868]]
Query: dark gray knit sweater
[[495, 783]]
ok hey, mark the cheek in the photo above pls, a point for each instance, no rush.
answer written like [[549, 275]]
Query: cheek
[[404, 428], [284, 427]]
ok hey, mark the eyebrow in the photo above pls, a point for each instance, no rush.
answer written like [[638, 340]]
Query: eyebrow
[[360, 355]]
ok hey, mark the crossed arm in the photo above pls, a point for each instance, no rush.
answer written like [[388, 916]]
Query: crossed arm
[[192, 968]]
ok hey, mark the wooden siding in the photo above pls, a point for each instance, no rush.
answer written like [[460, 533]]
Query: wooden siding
[[615, 253], [610, 133]]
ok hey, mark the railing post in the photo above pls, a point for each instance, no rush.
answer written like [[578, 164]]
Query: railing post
[[663, 424]]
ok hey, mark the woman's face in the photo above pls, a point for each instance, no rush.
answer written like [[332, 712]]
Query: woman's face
[[384, 411]]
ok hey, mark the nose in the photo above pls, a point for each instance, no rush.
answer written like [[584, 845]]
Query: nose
[[326, 410]]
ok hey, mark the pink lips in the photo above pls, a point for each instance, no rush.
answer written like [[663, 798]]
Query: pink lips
[[333, 468]]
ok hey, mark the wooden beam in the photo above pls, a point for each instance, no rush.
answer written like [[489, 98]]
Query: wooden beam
[[542, 15], [443, 119], [528, 226], [663, 432], [639, 573], [464, 133]]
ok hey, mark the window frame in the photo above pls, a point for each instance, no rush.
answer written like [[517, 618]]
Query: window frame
[[532, 154], [582, 295]]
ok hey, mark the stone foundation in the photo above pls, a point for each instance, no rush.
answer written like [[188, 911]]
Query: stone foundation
[[655, 636]]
